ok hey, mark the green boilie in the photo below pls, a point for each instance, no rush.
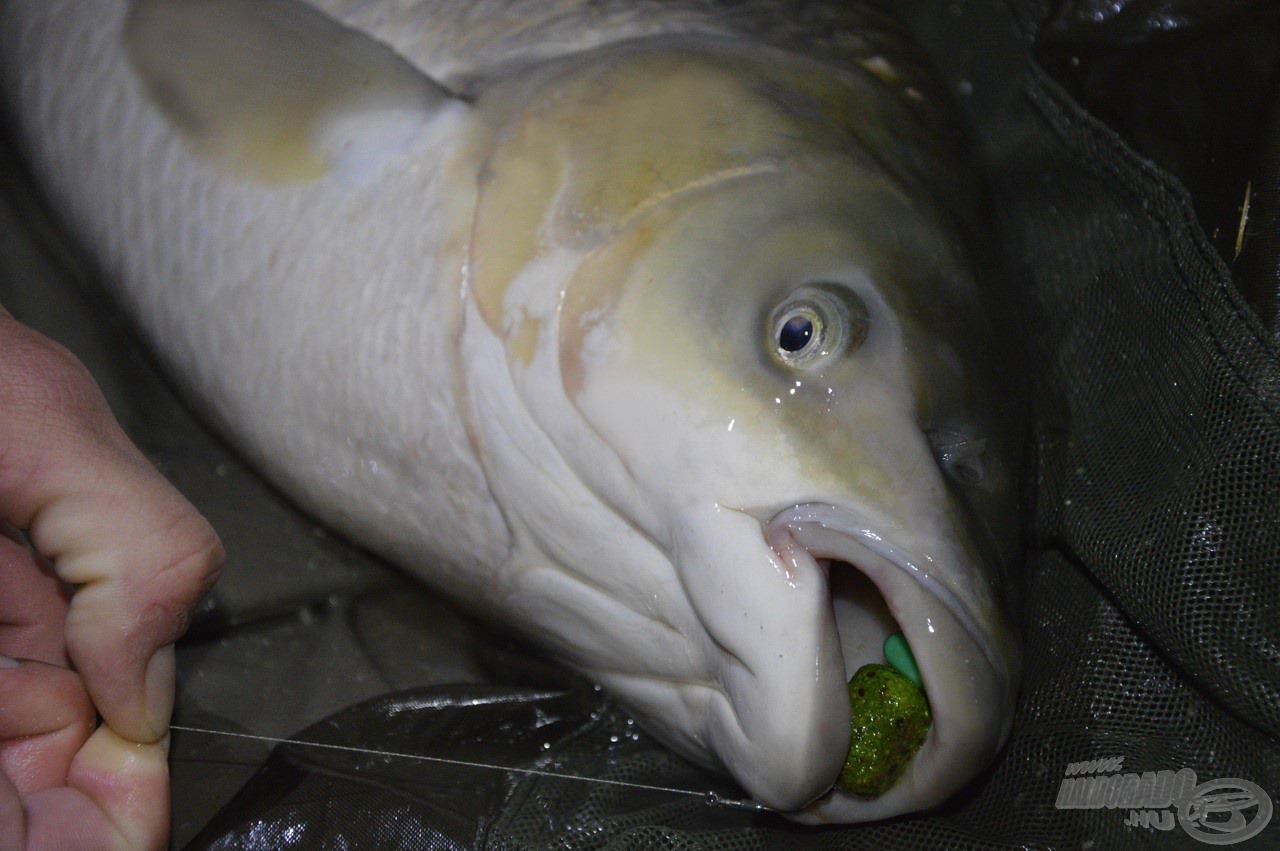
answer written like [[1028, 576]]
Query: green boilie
[[889, 716]]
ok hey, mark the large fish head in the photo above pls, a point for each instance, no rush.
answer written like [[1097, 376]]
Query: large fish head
[[731, 304]]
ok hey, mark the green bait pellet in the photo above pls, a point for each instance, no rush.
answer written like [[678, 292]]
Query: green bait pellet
[[889, 717], [898, 654]]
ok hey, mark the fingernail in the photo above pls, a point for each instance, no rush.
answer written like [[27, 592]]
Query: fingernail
[[159, 686], [6, 662]]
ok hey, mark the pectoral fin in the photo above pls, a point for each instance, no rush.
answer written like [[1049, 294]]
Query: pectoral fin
[[275, 89]]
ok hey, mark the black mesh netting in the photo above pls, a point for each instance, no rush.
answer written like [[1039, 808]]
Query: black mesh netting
[[1151, 603]]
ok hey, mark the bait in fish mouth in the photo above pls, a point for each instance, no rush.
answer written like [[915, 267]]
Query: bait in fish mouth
[[663, 339]]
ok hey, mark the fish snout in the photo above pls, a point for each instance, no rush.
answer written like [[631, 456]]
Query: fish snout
[[940, 602]]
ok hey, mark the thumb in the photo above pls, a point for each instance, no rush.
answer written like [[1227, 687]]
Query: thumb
[[140, 555]]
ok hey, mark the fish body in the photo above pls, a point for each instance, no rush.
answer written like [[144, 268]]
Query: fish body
[[658, 331]]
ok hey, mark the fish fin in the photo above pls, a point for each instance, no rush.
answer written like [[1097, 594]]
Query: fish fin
[[276, 90]]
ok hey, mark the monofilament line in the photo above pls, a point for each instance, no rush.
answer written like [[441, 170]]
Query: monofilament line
[[710, 798]]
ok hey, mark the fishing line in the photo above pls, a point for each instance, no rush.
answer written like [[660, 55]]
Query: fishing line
[[712, 799]]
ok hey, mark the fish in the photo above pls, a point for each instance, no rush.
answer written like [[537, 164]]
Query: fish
[[666, 334]]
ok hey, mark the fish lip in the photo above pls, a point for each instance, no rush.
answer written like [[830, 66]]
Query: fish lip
[[969, 673], [846, 523]]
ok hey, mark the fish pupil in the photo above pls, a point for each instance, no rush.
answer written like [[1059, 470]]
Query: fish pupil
[[795, 333]]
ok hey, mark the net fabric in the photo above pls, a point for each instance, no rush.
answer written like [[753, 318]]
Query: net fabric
[[1159, 442], [1150, 602]]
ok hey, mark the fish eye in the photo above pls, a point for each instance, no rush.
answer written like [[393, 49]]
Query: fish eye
[[816, 324], [797, 331]]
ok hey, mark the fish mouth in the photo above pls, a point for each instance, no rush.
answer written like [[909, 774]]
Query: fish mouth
[[961, 644]]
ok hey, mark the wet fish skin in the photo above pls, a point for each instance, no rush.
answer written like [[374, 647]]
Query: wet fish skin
[[497, 300]]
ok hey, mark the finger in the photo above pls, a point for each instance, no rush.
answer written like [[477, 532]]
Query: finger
[[108, 522], [33, 604], [45, 719], [13, 821], [63, 785], [116, 798]]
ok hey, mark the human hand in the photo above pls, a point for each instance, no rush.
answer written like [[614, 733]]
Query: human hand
[[92, 598]]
